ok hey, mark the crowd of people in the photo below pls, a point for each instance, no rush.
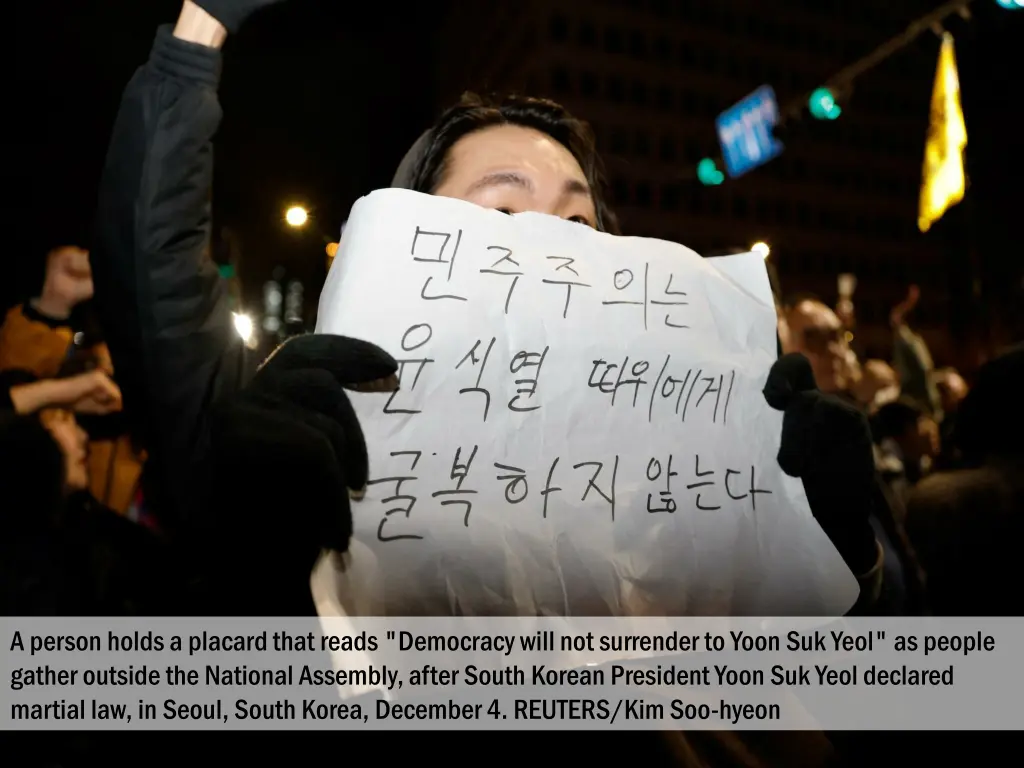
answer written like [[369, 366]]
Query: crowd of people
[[152, 467], [947, 458]]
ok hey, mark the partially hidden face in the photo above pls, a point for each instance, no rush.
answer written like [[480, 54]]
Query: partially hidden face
[[69, 273], [73, 443], [515, 169], [926, 439], [816, 332]]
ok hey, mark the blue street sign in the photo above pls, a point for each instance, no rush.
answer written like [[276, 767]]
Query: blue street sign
[[745, 132]]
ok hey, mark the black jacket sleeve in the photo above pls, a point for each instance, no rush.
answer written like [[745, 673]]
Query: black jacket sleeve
[[160, 299]]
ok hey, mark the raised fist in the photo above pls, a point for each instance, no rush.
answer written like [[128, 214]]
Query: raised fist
[[899, 313]]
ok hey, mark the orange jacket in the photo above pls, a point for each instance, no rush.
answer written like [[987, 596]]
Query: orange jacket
[[31, 343]]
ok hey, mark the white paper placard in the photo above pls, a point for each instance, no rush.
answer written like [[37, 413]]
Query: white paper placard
[[580, 428]]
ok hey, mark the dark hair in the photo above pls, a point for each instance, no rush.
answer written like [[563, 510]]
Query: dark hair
[[894, 419], [473, 113], [990, 421]]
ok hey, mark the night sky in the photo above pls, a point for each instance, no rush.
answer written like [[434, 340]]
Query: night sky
[[321, 100]]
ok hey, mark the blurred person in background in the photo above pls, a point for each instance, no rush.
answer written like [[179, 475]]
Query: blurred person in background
[[876, 385], [816, 332], [782, 328], [62, 552], [819, 334], [906, 440], [55, 334], [952, 390], [967, 524], [907, 437], [911, 357], [938, 391]]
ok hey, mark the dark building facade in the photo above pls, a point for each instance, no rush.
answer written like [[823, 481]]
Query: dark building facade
[[651, 76]]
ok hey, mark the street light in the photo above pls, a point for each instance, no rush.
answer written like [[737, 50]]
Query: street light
[[243, 324], [296, 216], [761, 248]]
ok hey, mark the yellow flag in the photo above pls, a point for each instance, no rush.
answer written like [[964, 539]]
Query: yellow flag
[[943, 180]]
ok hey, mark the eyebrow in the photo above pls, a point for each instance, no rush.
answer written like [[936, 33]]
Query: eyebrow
[[513, 179]]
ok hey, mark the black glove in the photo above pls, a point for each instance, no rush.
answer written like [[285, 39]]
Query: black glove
[[284, 454], [827, 444], [231, 13]]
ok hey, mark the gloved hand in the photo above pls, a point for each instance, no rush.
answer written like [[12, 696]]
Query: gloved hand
[[284, 455], [827, 444], [231, 13]]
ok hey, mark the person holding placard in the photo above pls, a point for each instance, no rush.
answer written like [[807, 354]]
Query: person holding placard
[[515, 155]]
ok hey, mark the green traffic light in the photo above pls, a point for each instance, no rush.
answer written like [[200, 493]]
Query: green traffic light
[[1011, 5], [708, 173], [823, 105]]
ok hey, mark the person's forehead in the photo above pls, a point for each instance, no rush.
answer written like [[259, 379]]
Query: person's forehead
[[814, 314], [512, 147], [879, 368]]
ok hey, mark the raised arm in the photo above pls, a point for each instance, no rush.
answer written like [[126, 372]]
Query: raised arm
[[911, 357], [162, 304]]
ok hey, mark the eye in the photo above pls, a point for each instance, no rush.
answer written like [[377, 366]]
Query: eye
[[582, 220], [506, 211]]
